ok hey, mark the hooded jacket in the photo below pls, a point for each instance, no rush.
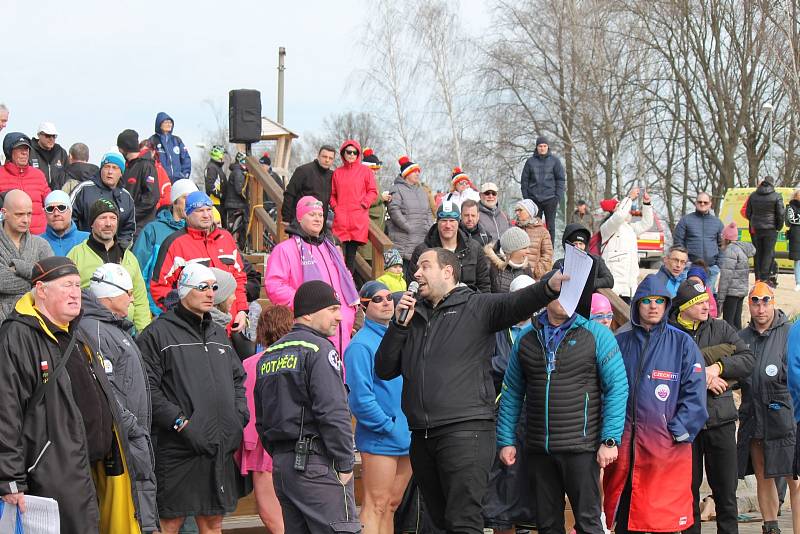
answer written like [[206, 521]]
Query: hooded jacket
[[235, 188], [474, 267], [793, 229], [603, 277], [701, 235], [543, 178], [147, 245], [445, 353], [215, 181], [171, 152], [62, 244], [734, 270], [89, 192], [576, 405], [193, 371], [666, 410], [61, 469], [307, 179], [621, 252], [125, 370], [765, 209], [670, 281], [541, 250], [16, 268], [52, 163], [353, 190], [493, 220], [284, 274], [477, 233], [409, 216], [381, 426], [33, 182], [767, 410], [501, 271], [140, 179], [77, 172]]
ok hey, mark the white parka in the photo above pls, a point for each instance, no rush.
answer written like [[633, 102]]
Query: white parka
[[621, 251]]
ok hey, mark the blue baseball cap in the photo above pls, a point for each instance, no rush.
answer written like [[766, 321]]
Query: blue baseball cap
[[197, 199]]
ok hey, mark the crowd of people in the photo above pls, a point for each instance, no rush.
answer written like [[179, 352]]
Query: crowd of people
[[146, 389]]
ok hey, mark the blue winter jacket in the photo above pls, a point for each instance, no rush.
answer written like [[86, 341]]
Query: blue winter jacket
[[146, 247], [611, 374], [669, 281], [381, 426], [61, 244], [171, 152], [701, 235], [793, 364]]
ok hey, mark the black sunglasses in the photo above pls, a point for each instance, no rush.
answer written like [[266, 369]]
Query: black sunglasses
[[351, 152], [52, 208], [377, 299]]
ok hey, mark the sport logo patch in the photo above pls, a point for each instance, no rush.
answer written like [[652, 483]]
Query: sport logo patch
[[335, 360], [683, 520], [664, 375], [662, 392]]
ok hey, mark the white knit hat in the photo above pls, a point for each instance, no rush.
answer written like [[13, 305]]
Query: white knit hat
[[181, 187], [192, 275], [110, 280], [521, 282]]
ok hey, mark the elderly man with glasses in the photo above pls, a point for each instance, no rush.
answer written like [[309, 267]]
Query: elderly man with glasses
[[62, 233], [492, 218], [48, 156], [700, 232]]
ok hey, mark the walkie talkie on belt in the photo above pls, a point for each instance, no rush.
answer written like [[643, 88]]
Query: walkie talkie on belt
[[301, 447]]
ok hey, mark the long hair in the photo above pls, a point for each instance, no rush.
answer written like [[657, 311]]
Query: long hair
[[274, 322]]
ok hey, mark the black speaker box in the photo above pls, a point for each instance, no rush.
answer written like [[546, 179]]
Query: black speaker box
[[244, 115]]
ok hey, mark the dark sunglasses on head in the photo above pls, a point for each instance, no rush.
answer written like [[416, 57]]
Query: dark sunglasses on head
[[657, 300], [52, 208], [766, 299], [351, 152]]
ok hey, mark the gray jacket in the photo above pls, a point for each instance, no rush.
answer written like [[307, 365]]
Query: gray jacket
[[493, 220], [409, 216], [16, 266], [126, 372], [734, 270], [701, 235]]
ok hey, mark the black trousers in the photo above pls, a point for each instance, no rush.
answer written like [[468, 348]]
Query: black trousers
[[549, 209], [577, 475], [716, 447], [350, 249], [452, 471], [732, 311], [764, 241]]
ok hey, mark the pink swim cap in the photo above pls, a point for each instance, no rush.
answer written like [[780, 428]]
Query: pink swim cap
[[600, 304], [307, 204]]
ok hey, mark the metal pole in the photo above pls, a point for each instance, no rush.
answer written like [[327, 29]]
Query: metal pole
[[281, 68]]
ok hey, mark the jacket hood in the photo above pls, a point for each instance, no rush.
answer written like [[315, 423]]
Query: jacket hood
[[765, 188], [295, 229], [748, 248], [27, 314], [92, 309], [220, 318], [81, 170], [492, 252], [161, 117], [779, 320], [651, 285], [354, 144], [432, 238], [71, 230], [164, 215], [571, 229]]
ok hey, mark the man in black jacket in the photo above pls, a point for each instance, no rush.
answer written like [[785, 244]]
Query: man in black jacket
[[216, 181], [312, 179], [237, 209], [470, 223], [48, 156], [443, 350], [140, 178], [78, 169], [727, 359], [543, 182], [765, 212], [199, 407], [578, 236], [447, 234]]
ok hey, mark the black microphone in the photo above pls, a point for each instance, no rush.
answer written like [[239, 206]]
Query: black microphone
[[413, 287]]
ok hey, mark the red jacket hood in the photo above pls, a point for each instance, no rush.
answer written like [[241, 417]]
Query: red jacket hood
[[354, 143]]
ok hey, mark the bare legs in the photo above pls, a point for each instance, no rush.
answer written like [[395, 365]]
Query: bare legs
[[385, 479]]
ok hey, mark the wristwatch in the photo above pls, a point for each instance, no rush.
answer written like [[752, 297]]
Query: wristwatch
[[610, 442]]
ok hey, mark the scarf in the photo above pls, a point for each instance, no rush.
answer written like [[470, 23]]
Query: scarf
[[311, 269]]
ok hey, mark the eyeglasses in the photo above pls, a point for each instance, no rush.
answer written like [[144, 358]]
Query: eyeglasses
[[49, 136], [601, 316], [351, 152], [702, 202], [650, 300], [102, 281], [766, 299], [203, 286], [52, 208], [490, 193]]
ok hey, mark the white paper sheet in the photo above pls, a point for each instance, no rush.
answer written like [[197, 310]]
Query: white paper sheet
[[578, 265], [40, 517]]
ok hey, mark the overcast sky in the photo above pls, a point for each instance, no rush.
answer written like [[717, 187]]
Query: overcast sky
[[96, 67]]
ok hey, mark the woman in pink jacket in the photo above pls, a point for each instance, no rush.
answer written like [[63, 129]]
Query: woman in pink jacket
[[308, 254], [353, 191]]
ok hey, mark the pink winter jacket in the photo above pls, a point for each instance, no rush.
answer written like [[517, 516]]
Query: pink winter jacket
[[285, 274], [250, 438]]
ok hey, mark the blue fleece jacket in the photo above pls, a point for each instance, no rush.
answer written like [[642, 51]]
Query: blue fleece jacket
[[670, 282], [172, 153], [147, 245], [613, 384], [381, 425], [793, 361], [61, 244]]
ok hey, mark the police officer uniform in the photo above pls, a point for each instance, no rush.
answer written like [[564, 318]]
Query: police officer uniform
[[304, 422]]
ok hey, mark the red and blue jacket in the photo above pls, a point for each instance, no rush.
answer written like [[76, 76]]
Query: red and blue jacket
[[666, 410]]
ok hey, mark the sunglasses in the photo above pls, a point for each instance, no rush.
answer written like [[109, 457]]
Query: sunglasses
[[702, 202], [766, 299], [598, 316], [490, 193], [203, 286], [49, 136], [102, 281], [52, 208], [657, 300], [351, 152]]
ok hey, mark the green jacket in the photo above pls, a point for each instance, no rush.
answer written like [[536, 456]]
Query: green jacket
[[87, 262]]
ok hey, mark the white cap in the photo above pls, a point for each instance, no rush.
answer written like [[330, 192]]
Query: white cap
[[489, 186], [181, 187], [47, 127], [110, 280], [521, 282], [57, 197], [192, 275]]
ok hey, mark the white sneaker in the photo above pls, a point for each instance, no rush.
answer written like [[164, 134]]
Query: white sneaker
[[603, 521], [797, 287]]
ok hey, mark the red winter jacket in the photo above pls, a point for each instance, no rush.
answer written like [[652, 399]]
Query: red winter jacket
[[353, 191], [33, 182], [189, 245]]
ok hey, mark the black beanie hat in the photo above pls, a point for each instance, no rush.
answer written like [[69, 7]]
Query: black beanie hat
[[101, 206], [314, 296], [541, 140], [128, 141], [689, 293], [52, 268]]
